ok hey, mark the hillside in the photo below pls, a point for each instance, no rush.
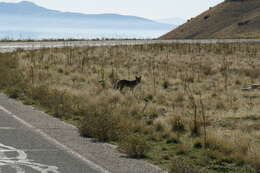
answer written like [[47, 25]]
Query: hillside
[[29, 15], [230, 19]]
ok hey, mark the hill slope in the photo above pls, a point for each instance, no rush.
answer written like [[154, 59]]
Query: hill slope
[[231, 19], [27, 15]]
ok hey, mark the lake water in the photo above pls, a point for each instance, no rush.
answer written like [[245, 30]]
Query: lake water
[[21, 34]]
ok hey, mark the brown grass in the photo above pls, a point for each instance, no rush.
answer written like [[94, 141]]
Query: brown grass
[[186, 89]]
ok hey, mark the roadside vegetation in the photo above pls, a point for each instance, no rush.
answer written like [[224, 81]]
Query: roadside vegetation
[[195, 110]]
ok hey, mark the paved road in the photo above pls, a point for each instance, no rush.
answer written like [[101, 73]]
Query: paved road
[[24, 150], [11, 46], [34, 142]]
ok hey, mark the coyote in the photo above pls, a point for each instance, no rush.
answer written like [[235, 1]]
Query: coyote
[[126, 83]]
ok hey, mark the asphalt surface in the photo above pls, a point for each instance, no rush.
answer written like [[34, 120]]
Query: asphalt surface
[[24, 150], [34, 142], [11, 46]]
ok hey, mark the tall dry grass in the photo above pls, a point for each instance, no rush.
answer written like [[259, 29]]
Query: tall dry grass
[[186, 89]]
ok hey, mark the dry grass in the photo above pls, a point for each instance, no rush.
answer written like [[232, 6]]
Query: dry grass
[[188, 92], [182, 166], [134, 146]]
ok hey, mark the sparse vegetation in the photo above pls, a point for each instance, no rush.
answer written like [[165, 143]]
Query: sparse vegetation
[[181, 166], [188, 108], [134, 146]]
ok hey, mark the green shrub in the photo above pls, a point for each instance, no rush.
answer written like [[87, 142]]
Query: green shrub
[[134, 146], [100, 123], [173, 138], [159, 127], [183, 149], [198, 144], [9, 73], [13, 92], [177, 124], [195, 128], [166, 84], [39, 93]]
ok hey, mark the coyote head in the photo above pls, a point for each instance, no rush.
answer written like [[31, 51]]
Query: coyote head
[[138, 79]]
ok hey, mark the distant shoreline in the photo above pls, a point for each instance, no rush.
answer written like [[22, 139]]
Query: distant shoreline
[[70, 39], [217, 40], [12, 45]]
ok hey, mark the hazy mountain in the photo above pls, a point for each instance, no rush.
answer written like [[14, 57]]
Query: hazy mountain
[[29, 15], [173, 21]]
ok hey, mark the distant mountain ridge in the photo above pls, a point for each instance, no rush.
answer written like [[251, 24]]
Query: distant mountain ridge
[[229, 19], [23, 8], [27, 14]]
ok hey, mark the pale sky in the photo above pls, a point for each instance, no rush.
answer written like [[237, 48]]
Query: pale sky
[[153, 9]]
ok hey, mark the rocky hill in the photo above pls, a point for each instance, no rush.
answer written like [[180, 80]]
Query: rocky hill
[[230, 19]]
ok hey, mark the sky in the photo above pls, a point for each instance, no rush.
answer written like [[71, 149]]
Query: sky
[[152, 9]]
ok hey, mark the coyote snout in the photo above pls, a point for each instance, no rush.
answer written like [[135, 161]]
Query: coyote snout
[[126, 83]]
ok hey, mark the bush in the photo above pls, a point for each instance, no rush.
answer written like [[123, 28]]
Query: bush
[[134, 146], [198, 143], [173, 138], [195, 128], [166, 84], [177, 124], [159, 127], [183, 149], [9, 74], [99, 122], [13, 92], [39, 93]]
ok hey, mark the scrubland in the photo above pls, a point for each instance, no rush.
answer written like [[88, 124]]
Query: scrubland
[[188, 114]]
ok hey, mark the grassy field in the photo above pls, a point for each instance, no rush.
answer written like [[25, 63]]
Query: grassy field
[[187, 115]]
